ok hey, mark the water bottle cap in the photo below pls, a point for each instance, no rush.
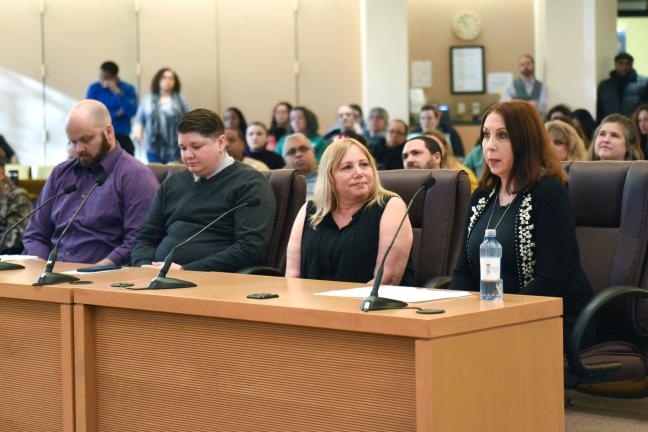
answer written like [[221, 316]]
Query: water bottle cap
[[490, 232]]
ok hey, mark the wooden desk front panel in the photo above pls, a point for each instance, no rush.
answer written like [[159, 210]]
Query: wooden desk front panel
[[161, 371], [35, 366]]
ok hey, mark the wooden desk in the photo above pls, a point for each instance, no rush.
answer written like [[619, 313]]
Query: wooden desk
[[36, 353], [207, 359]]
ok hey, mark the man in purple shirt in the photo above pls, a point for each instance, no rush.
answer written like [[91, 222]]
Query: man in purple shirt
[[106, 228]]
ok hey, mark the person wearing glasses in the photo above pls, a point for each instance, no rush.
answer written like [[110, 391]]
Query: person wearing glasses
[[299, 155]]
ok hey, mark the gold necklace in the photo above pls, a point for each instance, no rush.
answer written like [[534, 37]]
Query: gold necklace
[[493, 211]]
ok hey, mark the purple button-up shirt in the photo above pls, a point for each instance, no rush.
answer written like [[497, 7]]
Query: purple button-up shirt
[[107, 225]]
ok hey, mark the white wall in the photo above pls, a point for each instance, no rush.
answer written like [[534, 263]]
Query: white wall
[[384, 47], [576, 42]]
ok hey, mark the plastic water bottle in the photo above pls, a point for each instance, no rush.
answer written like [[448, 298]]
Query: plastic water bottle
[[490, 260]]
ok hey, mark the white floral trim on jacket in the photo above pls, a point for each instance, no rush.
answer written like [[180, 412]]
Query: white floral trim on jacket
[[524, 241], [523, 233]]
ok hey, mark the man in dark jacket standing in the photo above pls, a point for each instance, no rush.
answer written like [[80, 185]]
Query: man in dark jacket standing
[[622, 92]]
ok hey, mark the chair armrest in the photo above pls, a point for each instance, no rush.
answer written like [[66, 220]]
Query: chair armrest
[[595, 373], [261, 271], [439, 282]]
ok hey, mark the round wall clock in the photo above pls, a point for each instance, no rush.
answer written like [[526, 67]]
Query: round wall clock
[[467, 26]]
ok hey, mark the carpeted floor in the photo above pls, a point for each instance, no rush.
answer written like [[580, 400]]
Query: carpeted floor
[[598, 414]]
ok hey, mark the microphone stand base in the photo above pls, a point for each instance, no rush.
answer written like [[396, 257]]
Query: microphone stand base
[[49, 278], [165, 283], [4, 265], [373, 303]]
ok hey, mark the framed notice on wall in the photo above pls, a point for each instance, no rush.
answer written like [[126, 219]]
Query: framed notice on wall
[[467, 70]]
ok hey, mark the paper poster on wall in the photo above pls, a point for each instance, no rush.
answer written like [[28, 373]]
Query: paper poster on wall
[[421, 74], [497, 82], [417, 99], [467, 69]]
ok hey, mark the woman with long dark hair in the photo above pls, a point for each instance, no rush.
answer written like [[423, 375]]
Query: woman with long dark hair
[[158, 115]]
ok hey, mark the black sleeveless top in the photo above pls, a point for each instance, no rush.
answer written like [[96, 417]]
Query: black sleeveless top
[[347, 254]]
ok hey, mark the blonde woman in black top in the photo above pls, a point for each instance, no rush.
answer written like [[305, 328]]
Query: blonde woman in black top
[[344, 231]]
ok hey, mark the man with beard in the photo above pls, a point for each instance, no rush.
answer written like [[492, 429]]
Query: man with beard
[[106, 228], [422, 152], [622, 92], [527, 87]]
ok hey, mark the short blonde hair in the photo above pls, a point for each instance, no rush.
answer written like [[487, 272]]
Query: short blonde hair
[[325, 197], [569, 135]]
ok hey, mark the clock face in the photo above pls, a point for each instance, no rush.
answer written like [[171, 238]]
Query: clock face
[[467, 26]]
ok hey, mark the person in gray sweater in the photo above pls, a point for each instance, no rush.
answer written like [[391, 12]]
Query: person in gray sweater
[[190, 199]]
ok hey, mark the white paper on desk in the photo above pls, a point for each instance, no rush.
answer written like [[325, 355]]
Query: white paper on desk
[[89, 273], [17, 257], [406, 294]]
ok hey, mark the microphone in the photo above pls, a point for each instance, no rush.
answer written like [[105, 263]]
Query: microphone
[[373, 302], [48, 277], [163, 282], [11, 266]]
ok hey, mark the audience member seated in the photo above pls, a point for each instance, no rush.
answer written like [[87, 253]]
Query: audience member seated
[[234, 119], [558, 112], [257, 139], [640, 118], [388, 153], [523, 196], [14, 205], [303, 121], [10, 154], [347, 120], [360, 127], [300, 156], [158, 115], [236, 148], [565, 141], [584, 122], [121, 100], [106, 228], [526, 86], [430, 120], [474, 161], [192, 198], [377, 122], [344, 231], [279, 125], [422, 152], [448, 160], [616, 138], [623, 91]]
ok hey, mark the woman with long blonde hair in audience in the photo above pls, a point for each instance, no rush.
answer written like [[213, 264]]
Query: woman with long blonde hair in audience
[[343, 233], [616, 138], [565, 140]]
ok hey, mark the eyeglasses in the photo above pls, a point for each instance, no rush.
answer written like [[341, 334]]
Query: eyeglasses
[[396, 132], [294, 150]]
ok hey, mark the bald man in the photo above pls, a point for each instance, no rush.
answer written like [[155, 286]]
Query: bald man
[[106, 228]]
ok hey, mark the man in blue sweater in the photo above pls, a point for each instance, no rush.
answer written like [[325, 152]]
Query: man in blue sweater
[[121, 100]]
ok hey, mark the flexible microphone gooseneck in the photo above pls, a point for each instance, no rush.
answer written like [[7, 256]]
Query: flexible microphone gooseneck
[[11, 266], [163, 282], [48, 277], [373, 302]]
